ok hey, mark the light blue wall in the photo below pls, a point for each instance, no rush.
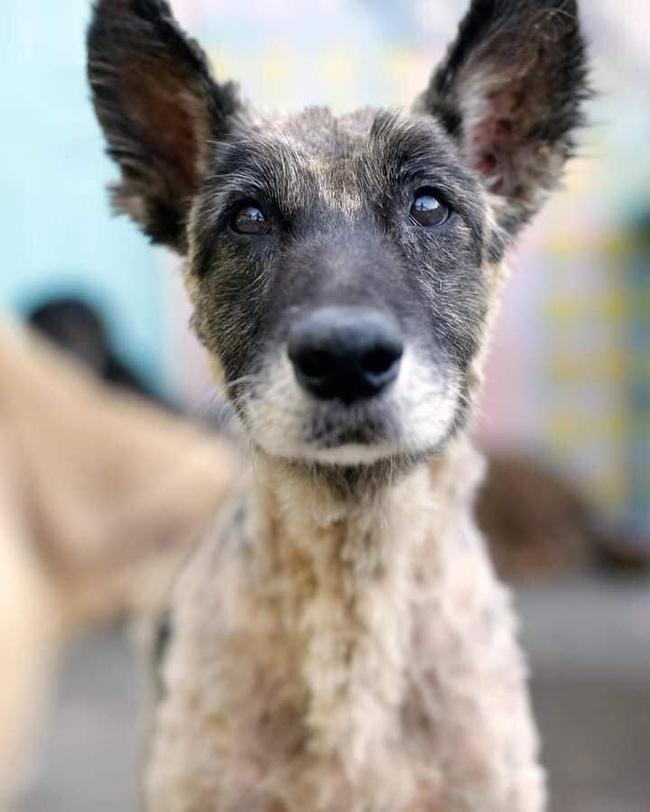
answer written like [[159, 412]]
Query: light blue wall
[[56, 231]]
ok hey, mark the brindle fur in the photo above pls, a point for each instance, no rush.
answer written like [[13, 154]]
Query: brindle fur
[[340, 643]]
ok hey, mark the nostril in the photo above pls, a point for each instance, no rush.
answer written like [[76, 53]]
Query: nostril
[[316, 363], [380, 360]]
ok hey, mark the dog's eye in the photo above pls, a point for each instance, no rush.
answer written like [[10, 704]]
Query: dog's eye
[[249, 219], [428, 209]]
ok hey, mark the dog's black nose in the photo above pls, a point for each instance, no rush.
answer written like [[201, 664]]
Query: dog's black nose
[[347, 353]]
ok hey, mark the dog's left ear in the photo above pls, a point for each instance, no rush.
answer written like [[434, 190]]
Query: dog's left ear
[[509, 92]]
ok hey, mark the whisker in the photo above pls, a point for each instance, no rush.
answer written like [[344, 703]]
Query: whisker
[[244, 379]]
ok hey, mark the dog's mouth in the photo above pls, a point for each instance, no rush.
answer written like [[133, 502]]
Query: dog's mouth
[[338, 433], [334, 425], [345, 435]]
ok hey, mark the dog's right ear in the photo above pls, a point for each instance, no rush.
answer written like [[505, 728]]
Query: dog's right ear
[[159, 108]]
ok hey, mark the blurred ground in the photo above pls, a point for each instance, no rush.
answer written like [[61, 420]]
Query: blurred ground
[[589, 645]]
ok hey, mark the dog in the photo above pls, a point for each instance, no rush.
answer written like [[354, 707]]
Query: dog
[[340, 643], [539, 526], [78, 328], [102, 497]]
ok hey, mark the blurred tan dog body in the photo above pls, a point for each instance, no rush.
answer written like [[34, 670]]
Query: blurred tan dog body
[[92, 482]]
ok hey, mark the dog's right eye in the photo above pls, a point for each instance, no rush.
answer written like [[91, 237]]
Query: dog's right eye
[[428, 209], [250, 220]]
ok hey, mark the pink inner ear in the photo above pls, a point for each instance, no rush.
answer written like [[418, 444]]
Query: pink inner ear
[[494, 140]]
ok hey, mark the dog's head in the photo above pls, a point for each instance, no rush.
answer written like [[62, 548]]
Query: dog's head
[[343, 270]]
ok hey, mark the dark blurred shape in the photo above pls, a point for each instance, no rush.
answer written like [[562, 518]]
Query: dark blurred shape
[[539, 526], [79, 329]]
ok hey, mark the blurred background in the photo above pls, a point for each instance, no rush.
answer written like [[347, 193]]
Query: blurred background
[[568, 392]]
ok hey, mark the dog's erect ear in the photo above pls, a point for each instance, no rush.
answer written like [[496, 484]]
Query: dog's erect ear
[[159, 108], [509, 92]]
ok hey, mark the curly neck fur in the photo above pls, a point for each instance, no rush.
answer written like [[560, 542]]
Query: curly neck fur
[[337, 662], [349, 566]]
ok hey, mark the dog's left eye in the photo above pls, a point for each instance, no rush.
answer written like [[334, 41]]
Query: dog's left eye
[[428, 209], [249, 219]]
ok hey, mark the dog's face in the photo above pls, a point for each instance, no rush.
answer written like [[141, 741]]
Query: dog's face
[[343, 270], [340, 279]]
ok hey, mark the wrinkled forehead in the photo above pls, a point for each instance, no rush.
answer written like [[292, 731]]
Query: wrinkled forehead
[[348, 161]]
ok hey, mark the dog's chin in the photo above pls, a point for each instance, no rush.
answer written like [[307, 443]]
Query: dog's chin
[[355, 454], [351, 445], [345, 446], [350, 455]]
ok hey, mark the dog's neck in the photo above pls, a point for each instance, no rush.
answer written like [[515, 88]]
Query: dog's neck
[[348, 568]]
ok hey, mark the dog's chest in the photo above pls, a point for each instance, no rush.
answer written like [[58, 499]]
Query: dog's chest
[[336, 688]]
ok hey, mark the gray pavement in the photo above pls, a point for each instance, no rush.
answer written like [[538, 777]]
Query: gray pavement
[[589, 646]]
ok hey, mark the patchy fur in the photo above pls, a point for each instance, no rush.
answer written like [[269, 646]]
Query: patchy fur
[[340, 643], [354, 655]]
